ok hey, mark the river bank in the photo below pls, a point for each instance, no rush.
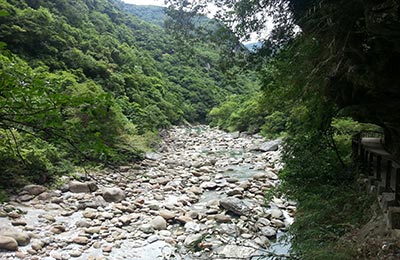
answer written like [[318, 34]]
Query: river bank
[[200, 196]]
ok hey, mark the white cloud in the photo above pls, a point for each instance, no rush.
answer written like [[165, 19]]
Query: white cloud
[[145, 2]]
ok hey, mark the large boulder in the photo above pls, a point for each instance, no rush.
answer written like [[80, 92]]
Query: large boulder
[[78, 187], [34, 189], [113, 194], [8, 243], [235, 205], [82, 187], [22, 238], [269, 146]]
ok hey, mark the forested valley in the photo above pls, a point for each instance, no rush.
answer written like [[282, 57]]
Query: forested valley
[[94, 85]]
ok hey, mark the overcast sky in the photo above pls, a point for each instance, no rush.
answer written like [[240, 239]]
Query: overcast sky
[[161, 3], [145, 2]]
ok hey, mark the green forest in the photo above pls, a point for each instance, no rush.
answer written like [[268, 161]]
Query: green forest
[[89, 83], [95, 84]]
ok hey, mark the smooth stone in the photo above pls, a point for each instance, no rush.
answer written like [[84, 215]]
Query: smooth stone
[[152, 239], [22, 238], [78, 187], [8, 243], [37, 245], [166, 214], [25, 198], [58, 229], [192, 238], [274, 213], [107, 248], [80, 240], [153, 156], [82, 224], [221, 218], [269, 232], [92, 230], [75, 253], [158, 223], [184, 219], [34, 189], [277, 223], [19, 222], [113, 194], [262, 241], [237, 252], [146, 228], [208, 185], [125, 220], [192, 227], [90, 214]]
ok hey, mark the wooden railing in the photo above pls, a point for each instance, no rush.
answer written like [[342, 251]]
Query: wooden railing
[[383, 173]]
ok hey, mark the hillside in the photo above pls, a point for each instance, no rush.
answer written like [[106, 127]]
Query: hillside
[[148, 13], [90, 64]]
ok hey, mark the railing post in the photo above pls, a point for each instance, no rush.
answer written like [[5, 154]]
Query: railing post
[[362, 150], [388, 175], [397, 186], [370, 163], [379, 167]]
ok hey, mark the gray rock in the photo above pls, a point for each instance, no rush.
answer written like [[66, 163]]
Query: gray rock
[[235, 135], [166, 214], [80, 240], [269, 232], [158, 223], [22, 238], [152, 156], [146, 228], [8, 243], [221, 218], [34, 189], [274, 213], [26, 197], [208, 185], [271, 145], [75, 253], [192, 227], [78, 187], [113, 194], [235, 205], [237, 252], [92, 186], [95, 203], [192, 238], [268, 146]]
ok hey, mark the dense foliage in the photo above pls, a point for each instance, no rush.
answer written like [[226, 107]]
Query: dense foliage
[[86, 81], [324, 63]]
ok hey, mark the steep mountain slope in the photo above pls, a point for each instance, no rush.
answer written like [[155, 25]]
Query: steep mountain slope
[[148, 13], [93, 79]]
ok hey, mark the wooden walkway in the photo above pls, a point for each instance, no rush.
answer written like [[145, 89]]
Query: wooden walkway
[[383, 175]]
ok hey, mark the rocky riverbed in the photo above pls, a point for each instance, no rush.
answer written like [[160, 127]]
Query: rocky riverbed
[[200, 196]]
